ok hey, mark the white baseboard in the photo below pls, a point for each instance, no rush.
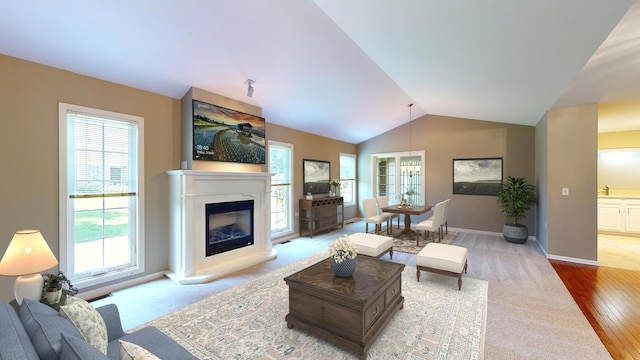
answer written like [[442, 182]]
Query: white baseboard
[[573, 260], [102, 291]]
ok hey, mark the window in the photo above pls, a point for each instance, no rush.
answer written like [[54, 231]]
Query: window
[[280, 163], [101, 194], [399, 176], [348, 178]]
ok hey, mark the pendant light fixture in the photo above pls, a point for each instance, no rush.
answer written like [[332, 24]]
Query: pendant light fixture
[[408, 168]]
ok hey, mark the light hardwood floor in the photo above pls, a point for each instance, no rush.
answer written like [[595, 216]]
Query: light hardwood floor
[[617, 251]]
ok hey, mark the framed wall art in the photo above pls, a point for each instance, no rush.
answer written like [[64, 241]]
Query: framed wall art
[[480, 176], [316, 175]]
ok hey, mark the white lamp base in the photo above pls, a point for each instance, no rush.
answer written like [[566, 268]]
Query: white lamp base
[[28, 287]]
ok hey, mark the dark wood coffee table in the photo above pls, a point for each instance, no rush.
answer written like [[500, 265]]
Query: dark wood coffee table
[[351, 311]]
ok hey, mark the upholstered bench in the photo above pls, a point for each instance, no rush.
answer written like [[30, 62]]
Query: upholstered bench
[[372, 245], [442, 259]]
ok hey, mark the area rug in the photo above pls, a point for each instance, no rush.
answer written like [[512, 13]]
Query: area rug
[[404, 244], [248, 322]]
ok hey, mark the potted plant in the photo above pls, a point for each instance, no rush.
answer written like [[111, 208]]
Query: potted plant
[[515, 197], [53, 286]]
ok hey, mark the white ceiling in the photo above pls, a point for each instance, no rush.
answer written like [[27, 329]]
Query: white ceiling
[[345, 69]]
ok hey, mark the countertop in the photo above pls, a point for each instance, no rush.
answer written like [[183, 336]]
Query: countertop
[[619, 196]]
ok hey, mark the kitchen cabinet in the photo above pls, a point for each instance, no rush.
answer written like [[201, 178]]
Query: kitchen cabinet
[[619, 215], [632, 216]]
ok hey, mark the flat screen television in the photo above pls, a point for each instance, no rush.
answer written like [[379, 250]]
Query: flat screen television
[[221, 134]]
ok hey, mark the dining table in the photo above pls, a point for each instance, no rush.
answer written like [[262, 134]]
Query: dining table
[[407, 211]]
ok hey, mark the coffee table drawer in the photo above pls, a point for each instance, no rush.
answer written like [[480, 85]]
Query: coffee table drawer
[[393, 291], [374, 311]]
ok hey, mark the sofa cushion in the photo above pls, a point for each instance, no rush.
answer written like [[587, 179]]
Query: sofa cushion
[[75, 348], [14, 341], [131, 351], [87, 320], [44, 326], [153, 340]]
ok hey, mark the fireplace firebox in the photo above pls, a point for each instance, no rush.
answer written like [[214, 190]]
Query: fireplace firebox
[[229, 226]]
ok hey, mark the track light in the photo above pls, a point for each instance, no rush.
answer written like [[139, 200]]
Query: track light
[[249, 88]]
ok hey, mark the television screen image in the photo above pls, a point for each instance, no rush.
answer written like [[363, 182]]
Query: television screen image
[[221, 134]]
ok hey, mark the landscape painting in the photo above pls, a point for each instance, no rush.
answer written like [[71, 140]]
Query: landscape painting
[[482, 176], [221, 134], [316, 176]]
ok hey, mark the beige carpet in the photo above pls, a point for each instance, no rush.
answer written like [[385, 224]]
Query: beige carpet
[[247, 322], [531, 313], [404, 244]]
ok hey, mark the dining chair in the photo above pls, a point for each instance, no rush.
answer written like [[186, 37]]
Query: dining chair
[[383, 201], [445, 216], [371, 215], [432, 225]]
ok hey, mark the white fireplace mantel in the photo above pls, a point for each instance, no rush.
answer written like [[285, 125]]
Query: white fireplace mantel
[[189, 193]]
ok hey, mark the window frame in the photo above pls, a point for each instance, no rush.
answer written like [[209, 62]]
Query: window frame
[[354, 180], [65, 256], [290, 206], [397, 174]]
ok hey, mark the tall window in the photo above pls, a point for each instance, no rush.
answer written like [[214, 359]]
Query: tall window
[[348, 178], [280, 163], [101, 194], [399, 176]]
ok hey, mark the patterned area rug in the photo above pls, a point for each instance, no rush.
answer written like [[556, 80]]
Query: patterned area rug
[[247, 322], [404, 244]]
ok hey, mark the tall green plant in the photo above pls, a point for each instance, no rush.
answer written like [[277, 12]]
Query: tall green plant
[[516, 197]]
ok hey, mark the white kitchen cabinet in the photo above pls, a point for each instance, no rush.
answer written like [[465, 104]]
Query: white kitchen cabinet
[[619, 215], [610, 215], [632, 216]]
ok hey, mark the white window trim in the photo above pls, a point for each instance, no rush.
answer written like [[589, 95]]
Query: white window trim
[[398, 155], [63, 258], [292, 217], [355, 178]]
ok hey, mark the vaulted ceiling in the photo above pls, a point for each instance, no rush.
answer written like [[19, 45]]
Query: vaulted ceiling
[[346, 69]]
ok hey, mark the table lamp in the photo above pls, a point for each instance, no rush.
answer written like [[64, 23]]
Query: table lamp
[[27, 255]]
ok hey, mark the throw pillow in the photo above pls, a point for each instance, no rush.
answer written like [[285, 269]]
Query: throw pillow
[[131, 351], [44, 327], [88, 321], [75, 348]]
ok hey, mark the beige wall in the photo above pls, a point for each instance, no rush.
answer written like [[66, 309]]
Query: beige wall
[[571, 158], [29, 150], [619, 140], [30, 94], [447, 138], [309, 146], [542, 183]]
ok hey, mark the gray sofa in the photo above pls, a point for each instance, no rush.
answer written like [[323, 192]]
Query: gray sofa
[[39, 332]]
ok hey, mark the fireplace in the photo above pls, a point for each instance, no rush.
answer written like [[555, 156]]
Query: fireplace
[[229, 226], [219, 223]]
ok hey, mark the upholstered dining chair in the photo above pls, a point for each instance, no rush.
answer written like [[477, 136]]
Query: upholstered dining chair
[[445, 216], [432, 225], [371, 215], [383, 201]]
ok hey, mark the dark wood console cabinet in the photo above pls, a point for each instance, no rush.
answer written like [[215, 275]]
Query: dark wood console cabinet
[[321, 214]]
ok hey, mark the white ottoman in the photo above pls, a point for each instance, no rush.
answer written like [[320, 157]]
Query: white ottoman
[[442, 259], [372, 245]]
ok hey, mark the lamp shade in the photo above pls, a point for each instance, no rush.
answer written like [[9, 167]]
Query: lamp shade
[[28, 253]]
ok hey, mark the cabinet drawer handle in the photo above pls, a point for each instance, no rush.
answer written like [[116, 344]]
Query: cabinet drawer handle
[[393, 292], [375, 312]]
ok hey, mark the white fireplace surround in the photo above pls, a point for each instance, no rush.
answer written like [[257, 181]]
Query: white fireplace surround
[[189, 193]]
